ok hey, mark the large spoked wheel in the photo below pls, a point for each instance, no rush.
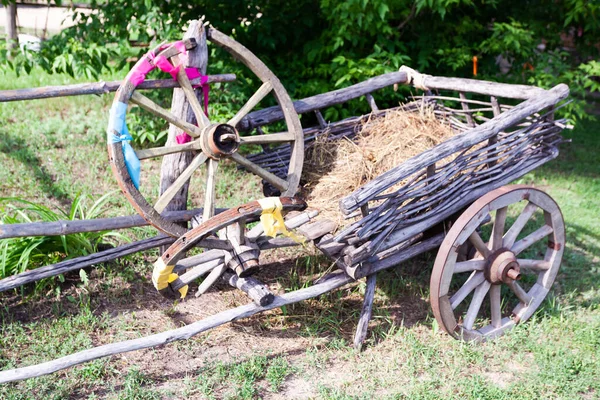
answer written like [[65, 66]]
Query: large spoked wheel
[[511, 269], [211, 141]]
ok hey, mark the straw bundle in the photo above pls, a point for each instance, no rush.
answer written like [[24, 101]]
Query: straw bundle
[[335, 168]]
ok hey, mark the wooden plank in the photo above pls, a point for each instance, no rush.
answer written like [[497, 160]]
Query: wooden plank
[[166, 337], [324, 100], [81, 262], [99, 88], [365, 313]]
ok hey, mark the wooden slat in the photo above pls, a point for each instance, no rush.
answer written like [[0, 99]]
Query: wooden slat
[[267, 139], [251, 103], [263, 173], [168, 194], [157, 110]]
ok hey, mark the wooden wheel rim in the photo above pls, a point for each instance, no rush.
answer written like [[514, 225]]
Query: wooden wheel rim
[[238, 51], [446, 265]]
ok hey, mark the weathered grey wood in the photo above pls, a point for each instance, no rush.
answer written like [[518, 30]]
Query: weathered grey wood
[[166, 337], [67, 227], [82, 262], [317, 229], [260, 171], [195, 273], [506, 90], [368, 268], [365, 313], [465, 107], [452, 145], [199, 259], [211, 278], [98, 88], [256, 290], [12, 40], [371, 102], [172, 118], [181, 182], [272, 114], [174, 164]]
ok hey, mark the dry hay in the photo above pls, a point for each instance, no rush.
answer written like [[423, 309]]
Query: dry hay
[[335, 168]]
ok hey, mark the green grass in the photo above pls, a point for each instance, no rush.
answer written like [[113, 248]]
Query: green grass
[[51, 150]]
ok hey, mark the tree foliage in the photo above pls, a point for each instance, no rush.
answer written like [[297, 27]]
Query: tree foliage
[[318, 45]]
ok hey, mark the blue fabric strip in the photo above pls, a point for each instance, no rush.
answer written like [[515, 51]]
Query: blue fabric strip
[[116, 123]]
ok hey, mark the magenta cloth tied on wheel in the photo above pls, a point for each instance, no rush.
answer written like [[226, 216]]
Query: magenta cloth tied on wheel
[[141, 69], [116, 124]]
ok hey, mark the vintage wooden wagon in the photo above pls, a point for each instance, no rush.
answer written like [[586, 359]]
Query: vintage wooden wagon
[[499, 247]]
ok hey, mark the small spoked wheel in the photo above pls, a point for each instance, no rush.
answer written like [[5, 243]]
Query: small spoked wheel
[[236, 247], [210, 141], [510, 270]]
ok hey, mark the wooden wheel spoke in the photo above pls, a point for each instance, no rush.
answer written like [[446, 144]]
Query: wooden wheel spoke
[[474, 280], [263, 173], [167, 196], [475, 305], [260, 94], [519, 292], [211, 279], [517, 227], [209, 194], [155, 109], [498, 229], [476, 240], [531, 239], [165, 150], [534, 265], [495, 305], [190, 94], [267, 139], [468, 266]]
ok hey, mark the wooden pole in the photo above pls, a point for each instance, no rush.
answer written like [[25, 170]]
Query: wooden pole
[[12, 40], [365, 314], [81, 262], [68, 227], [98, 88], [174, 164], [182, 333]]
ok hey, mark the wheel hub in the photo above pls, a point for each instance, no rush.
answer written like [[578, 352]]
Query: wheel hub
[[502, 267], [219, 140]]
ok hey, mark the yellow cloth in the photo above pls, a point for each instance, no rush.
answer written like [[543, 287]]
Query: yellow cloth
[[272, 220], [163, 274]]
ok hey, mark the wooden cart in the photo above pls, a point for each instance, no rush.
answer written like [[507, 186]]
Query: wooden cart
[[453, 197]]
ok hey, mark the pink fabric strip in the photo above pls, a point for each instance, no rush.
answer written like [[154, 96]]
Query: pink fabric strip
[[150, 61], [140, 70], [183, 138]]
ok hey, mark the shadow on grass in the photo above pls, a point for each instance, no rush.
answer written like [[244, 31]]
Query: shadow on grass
[[19, 150]]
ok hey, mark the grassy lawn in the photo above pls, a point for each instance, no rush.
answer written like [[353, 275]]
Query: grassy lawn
[[51, 150]]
